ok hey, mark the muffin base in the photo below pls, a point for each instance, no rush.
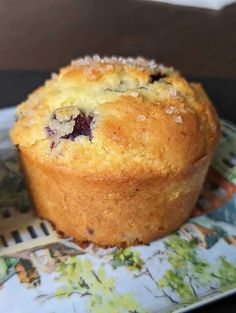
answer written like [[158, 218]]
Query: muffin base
[[111, 211]]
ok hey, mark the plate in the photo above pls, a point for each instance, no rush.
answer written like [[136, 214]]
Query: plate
[[191, 267]]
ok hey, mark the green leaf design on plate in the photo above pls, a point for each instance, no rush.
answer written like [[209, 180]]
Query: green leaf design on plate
[[79, 277], [126, 257], [189, 272], [13, 192], [226, 272]]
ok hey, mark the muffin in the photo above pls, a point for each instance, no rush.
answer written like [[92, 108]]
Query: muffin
[[115, 150]]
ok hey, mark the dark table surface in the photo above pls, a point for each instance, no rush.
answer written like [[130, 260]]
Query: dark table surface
[[15, 85]]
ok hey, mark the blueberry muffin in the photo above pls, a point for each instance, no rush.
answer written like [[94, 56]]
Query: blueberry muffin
[[115, 150]]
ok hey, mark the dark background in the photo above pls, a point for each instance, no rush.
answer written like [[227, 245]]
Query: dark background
[[44, 35], [38, 36]]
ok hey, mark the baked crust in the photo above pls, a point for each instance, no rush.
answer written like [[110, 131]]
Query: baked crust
[[113, 211], [136, 173]]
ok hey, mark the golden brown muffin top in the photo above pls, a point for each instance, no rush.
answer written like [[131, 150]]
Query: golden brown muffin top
[[117, 116]]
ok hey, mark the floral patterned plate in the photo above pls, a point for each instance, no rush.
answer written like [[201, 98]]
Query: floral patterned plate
[[42, 272]]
